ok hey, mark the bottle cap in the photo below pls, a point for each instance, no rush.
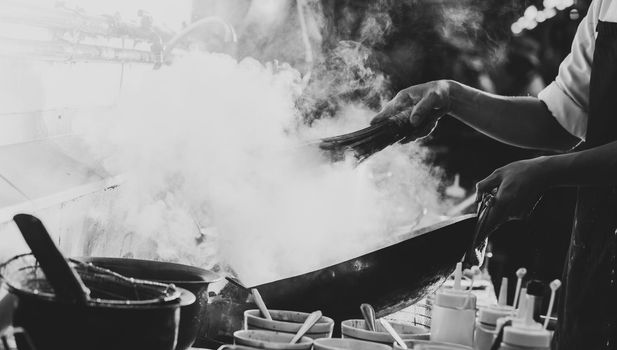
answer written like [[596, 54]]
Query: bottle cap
[[535, 288], [490, 314], [503, 292], [456, 297]]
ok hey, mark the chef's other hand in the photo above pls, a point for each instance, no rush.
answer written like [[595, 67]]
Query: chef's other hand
[[519, 187], [419, 107]]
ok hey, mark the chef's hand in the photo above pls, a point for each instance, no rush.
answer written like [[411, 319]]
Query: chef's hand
[[518, 186], [418, 108]]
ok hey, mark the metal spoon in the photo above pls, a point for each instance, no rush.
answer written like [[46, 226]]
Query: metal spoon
[[369, 316], [65, 281], [308, 323]]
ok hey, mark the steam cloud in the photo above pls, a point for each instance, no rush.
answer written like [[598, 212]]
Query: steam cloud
[[220, 144]]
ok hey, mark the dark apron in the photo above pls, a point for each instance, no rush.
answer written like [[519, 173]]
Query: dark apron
[[588, 306]]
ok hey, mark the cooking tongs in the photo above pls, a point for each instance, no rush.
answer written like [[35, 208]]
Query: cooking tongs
[[365, 142], [475, 254]]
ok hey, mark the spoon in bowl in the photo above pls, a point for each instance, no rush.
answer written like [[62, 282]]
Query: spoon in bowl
[[393, 333], [308, 323], [369, 316]]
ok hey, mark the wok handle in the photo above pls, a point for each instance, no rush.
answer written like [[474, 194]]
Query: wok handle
[[475, 253]]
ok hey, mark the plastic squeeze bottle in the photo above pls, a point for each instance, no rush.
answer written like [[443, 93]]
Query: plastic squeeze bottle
[[486, 323], [526, 334], [453, 314], [535, 290]]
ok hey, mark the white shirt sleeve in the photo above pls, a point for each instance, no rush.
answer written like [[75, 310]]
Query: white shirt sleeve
[[568, 96]]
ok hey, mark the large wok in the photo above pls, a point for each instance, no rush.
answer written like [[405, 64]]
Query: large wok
[[390, 278]]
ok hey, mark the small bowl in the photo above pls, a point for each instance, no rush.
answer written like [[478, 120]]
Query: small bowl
[[352, 344], [430, 345], [288, 322], [271, 340], [356, 329], [234, 347]]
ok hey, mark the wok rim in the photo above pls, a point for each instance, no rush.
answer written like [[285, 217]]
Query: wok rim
[[213, 277], [388, 243]]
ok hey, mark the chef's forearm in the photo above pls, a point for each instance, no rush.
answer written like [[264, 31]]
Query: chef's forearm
[[592, 167], [519, 121]]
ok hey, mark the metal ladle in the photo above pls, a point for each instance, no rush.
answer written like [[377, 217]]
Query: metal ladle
[[65, 281]]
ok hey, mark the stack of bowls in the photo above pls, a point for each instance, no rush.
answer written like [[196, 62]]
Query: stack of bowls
[[356, 329], [288, 322]]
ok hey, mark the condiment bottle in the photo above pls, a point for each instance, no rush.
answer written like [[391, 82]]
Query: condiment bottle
[[526, 334], [453, 314], [486, 323], [535, 290]]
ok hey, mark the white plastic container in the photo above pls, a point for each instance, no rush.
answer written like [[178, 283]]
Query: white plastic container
[[518, 337], [453, 314], [526, 334], [486, 325]]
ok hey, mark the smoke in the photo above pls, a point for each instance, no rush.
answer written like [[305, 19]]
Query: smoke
[[219, 144]]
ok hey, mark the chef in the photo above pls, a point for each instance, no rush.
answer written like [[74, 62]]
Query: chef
[[576, 115]]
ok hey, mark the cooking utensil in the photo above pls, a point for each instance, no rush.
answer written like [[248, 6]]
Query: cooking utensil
[[193, 316], [121, 313], [65, 281], [308, 323], [477, 247], [426, 257], [397, 338], [369, 316], [365, 142], [260, 304]]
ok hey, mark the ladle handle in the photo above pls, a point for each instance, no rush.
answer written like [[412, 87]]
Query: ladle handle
[[260, 304], [369, 316], [61, 276], [393, 333], [308, 323]]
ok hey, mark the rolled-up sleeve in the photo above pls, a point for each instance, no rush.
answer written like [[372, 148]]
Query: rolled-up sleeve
[[568, 96]]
